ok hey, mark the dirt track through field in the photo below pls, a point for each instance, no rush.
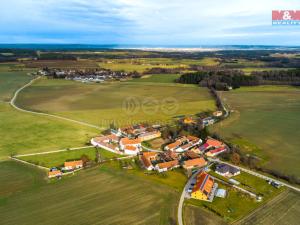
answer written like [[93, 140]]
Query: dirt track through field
[[13, 104]]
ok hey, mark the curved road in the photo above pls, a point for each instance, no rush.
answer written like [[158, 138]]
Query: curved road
[[182, 197], [13, 104]]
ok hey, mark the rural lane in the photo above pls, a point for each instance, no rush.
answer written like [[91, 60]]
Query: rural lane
[[13, 104], [182, 197]]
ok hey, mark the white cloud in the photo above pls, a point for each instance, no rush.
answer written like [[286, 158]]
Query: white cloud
[[142, 21]]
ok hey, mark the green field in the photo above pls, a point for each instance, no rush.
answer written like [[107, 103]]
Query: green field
[[265, 123], [57, 159], [91, 196], [16, 177], [194, 215], [121, 103], [142, 64], [157, 78], [25, 133], [282, 210], [10, 81]]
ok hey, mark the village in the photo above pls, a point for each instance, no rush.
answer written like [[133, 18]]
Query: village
[[98, 75], [197, 157]]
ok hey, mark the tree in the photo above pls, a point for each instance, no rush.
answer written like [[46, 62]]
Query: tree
[[85, 159], [98, 156], [235, 158]]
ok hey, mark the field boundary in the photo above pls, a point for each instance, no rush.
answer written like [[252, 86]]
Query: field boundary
[[13, 104]]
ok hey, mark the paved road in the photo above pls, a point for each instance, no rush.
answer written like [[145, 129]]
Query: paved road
[[257, 174], [182, 197], [13, 104]]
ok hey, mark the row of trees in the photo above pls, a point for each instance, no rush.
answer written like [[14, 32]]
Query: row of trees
[[219, 79], [224, 79]]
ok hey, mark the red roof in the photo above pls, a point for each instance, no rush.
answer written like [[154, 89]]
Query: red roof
[[214, 143]]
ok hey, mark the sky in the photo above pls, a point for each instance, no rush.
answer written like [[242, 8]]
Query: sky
[[146, 22]]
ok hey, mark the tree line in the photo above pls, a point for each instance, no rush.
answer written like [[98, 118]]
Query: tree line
[[226, 79]]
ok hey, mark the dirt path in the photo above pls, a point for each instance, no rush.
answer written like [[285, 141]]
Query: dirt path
[[13, 104]]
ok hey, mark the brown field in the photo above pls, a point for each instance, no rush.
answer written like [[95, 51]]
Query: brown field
[[64, 64]]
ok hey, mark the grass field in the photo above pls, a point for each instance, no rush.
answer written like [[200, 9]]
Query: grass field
[[282, 210], [198, 216], [25, 133], [58, 159], [142, 64], [10, 81], [91, 197], [265, 123], [16, 178], [157, 78], [121, 103]]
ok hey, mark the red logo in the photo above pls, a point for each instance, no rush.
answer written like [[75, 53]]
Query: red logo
[[286, 15]]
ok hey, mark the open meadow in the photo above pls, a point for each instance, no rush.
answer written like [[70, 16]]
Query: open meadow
[[194, 215], [143, 64], [265, 123], [120, 103], [26, 133], [93, 196]]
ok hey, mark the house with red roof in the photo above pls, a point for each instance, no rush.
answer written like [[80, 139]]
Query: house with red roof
[[217, 151], [165, 166]]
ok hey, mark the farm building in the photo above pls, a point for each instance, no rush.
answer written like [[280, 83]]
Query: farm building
[[204, 188], [72, 165], [191, 154], [213, 143], [165, 166], [216, 151], [226, 170], [149, 135], [194, 163], [54, 173], [147, 158], [135, 145], [208, 121], [131, 150], [183, 144], [218, 113]]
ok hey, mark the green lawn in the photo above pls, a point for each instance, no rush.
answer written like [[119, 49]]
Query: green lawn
[[157, 78], [91, 196], [121, 103], [58, 159], [265, 123]]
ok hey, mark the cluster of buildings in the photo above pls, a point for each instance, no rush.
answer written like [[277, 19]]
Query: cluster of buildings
[[187, 152], [204, 121], [183, 144], [86, 75], [68, 167], [127, 140]]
